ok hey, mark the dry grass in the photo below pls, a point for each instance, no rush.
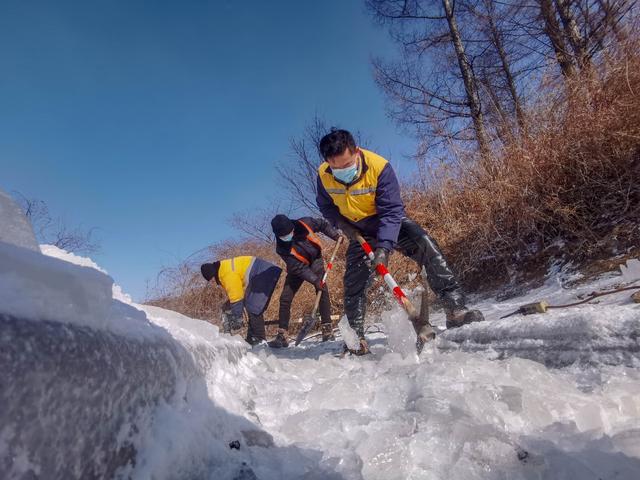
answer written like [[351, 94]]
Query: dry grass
[[183, 289], [569, 189]]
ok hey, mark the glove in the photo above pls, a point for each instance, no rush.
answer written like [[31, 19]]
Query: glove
[[381, 256], [348, 230], [319, 285]]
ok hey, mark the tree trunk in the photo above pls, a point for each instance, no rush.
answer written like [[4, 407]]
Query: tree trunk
[[572, 33], [552, 29], [506, 67], [470, 84]]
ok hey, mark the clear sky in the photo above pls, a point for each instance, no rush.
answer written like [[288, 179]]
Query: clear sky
[[155, 120]]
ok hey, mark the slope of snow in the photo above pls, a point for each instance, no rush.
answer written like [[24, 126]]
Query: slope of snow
[[172, 396]]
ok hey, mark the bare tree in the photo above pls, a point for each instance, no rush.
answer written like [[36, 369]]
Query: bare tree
[[466, 66], [298, 173], [255, 224], [498, 61], [56, 231], [427, 93], [580, 29]]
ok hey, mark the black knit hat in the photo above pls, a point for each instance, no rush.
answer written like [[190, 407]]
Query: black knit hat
[[210, 270], [281, 225]]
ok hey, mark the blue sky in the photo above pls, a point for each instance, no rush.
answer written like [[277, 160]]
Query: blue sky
[[155, 121]]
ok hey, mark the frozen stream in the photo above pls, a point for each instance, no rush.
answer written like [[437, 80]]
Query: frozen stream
[[95, 386]]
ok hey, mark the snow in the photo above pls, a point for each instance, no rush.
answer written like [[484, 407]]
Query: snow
[[56, 252], [554, 395], [38, 287]]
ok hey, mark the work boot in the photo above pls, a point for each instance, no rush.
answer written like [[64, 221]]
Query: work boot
[[327, 332], [253, 341], [457, 317], [280, 341], [363, 350]]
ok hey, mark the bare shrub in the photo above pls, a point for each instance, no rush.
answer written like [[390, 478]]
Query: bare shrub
[[569, 188], [55, 230]]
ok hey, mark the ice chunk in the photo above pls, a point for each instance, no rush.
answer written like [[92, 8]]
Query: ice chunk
[[631, 271], [37, 287], [14, 225], [349, 335], [400, 333]]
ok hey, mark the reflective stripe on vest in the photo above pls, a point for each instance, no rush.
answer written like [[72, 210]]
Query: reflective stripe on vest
[[313, 238]]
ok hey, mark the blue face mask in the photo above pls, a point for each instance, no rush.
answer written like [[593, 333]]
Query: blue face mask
[[287, 238], [345, 175]]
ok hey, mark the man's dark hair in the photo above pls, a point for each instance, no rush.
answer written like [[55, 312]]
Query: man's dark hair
[[336, 142]]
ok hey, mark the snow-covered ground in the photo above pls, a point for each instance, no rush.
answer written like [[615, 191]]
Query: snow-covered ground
[[475, 404]]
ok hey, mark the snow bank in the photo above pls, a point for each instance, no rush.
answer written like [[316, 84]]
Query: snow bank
[[95, 387], [55, 252], [37, 287]]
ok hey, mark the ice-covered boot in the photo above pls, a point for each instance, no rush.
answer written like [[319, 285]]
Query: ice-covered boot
[[457, 317], [363, 350], [424, 331], [280, 341], [327, 332], [423, 335]]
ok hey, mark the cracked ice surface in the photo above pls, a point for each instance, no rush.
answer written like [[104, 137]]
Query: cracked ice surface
[[147, 393]]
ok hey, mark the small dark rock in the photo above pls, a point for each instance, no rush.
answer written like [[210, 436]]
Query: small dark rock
[[523, 455], [235, 444]]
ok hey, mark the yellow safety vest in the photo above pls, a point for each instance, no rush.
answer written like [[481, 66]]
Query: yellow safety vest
[[234, 276], [357, 201]]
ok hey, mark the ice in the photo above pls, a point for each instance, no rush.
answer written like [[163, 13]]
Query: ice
[[631, 271], [400, 333], [348, 334], [543, 396], [56, 252], [38, 287], [14, 226]]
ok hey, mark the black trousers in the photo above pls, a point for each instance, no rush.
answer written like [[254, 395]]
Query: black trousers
[[413, 242], [292, 284], [256, 327]]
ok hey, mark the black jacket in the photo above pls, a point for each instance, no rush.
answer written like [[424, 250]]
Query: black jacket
[[304, 247]]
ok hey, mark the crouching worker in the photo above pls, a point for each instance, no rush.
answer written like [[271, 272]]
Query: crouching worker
[[359, 193], [249, 283], [301, 250]]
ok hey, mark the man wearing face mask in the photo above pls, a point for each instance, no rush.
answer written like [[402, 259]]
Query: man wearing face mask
[[301, 250], [358, 191]]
